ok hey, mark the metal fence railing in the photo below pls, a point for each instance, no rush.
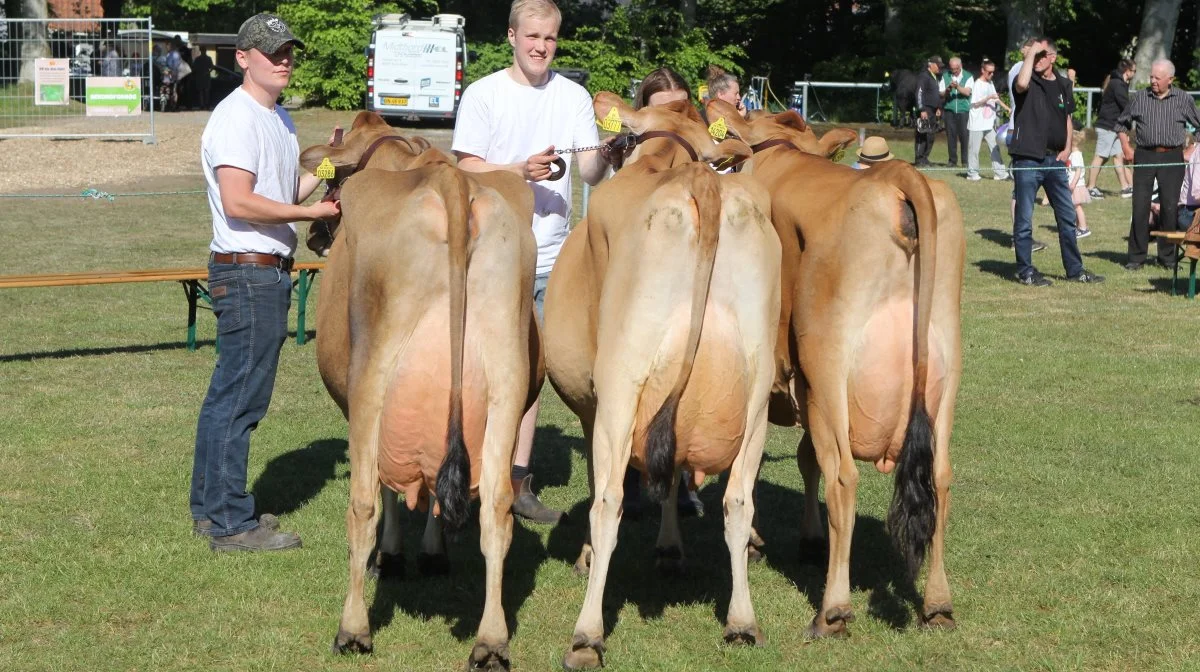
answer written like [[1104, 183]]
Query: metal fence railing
[[76, 78]]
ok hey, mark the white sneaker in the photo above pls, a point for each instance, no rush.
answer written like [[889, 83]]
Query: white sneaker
[[1000, 178], [974, 178]]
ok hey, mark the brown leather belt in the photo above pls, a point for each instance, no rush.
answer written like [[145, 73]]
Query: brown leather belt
[[1160, 149], [256, 258]]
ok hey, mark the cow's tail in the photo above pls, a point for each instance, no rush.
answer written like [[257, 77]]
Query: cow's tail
[[660, 435], [454, 476], [913, 512]]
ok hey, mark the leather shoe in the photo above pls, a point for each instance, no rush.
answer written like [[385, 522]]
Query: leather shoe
[[257, 539], [1133, 266], [267, 520], [527, 505]]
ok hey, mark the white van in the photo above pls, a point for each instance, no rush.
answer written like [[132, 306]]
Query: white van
[[415, 66]]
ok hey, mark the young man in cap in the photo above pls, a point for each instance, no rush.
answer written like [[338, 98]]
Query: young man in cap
[[513, 120], [251, 164]]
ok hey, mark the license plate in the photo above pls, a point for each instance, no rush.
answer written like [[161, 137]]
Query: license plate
[[389, 100]]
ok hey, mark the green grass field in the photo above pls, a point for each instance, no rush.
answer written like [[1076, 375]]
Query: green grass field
[[1073, 533]]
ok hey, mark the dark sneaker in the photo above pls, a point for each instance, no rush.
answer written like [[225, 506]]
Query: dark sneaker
[[1127, 192], [1133, 266], [1095, 193], [1085, 277], [528, 506], [1038, 246], [1034, 279], [267, 520], [257, 539], [1082, 233]]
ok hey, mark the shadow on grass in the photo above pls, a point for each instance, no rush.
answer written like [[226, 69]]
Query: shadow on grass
[[90, 352], [289, 481], [633, 578], [459, 595], [1001, 238], [1108, 255], [1005, 270], [1162, 285], [551, 459]]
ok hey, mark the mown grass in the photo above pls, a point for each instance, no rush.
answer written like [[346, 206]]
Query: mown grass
[[1072, 540]]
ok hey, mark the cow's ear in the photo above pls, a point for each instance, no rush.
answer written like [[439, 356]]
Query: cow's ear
[[613, 113], [755, 115], [726, 121], [792, 119], [342, 158], [366, 118], [727, 153], [835, 141]]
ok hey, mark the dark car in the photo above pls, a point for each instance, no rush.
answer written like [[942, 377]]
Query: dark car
[[224, 81]]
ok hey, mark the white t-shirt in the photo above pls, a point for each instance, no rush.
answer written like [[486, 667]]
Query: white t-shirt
[[982, 118], [501, 121], [1074, 162], [1012, 78], [243, 134]]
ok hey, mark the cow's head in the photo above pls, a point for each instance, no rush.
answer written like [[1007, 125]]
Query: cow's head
[[760, 126], [679, 118], [346, 154]]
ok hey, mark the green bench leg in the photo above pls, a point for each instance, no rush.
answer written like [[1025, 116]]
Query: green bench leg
[[1192, 281], [191, 289], [303, 286]]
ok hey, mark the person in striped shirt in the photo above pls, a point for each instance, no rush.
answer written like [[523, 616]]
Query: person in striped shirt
[[1160, 114]]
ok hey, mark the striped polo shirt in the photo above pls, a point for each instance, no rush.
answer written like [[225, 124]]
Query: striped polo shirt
[[1160, 121]]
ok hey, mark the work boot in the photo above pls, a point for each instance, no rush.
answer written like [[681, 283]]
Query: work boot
[[267, 520], [528, 506], [258, 539]]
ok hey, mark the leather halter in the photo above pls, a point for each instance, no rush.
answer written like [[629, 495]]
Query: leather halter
[[670, 135], [776, 142], [333, 187]]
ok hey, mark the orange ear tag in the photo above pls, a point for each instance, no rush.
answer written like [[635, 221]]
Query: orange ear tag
[[718, 129], [611, 121], [326, 171]]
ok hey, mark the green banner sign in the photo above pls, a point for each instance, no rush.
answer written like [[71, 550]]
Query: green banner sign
[[113, 97]]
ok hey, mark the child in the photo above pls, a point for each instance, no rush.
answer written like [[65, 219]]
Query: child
[[1079, 192]]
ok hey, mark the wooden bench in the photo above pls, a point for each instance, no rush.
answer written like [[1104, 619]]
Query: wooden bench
[[1177, 238], [192, 280]]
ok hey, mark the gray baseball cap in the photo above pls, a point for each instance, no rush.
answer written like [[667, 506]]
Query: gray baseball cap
[[265, 32]]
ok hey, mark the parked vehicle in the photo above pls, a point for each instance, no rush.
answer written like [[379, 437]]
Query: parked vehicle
[[415, 66]]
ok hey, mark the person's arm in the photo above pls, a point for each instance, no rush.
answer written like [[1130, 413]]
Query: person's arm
[[1190, 114], [1021, 85], [1123, 126], [1065, 154], [239, 201], [965, 88]]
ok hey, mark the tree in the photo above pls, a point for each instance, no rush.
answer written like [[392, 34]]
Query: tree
[[1157, 35], [35, 44]]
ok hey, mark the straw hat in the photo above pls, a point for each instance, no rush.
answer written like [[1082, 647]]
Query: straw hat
[[874, 149]]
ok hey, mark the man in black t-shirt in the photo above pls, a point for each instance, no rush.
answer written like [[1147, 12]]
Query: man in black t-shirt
[[1040, 146]]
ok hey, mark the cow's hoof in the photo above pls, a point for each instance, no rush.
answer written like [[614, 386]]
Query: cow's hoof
[[586, 653], [814, 551], [348, 642], [669, 561], [745, 635], [583, 565], [831, 624], [753, 553], [387, 566], [433, 565], [490, 657], [938, 617]]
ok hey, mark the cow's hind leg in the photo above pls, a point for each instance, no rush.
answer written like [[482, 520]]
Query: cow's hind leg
[[814, 546], [432, 560], [668, 550], [389, 559], [938, 610], [584, 562], [354, 631], [741, 627], [832, 444]]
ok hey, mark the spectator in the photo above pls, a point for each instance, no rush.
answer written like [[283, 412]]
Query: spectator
[[179, 63], [111, 67], [724, 86], [929, 111], [201, 78], [873, 150], [1160, 113], [981, 123], [1113, 100], [1014, 71], [1079, 192], [250, 158], [660, 87], [955, 87], [512, 120], [1041, 144], [1189, 193]]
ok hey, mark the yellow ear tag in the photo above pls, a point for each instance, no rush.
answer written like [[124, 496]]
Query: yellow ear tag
[[718, 129], [839, 155], [326, 171], [611, 121]]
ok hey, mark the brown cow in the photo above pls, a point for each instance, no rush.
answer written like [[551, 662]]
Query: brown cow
[[427, 344], [660, 326], [869, 346]]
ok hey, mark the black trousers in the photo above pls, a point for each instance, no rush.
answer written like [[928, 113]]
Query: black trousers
[[1147, 168], [923, 141], [956, 135]]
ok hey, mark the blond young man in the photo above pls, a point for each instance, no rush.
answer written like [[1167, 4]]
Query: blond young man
[[513, 120]]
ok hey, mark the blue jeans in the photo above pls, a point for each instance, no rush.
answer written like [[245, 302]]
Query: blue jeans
[[251, 304], [1053, 179], [539, 294]]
